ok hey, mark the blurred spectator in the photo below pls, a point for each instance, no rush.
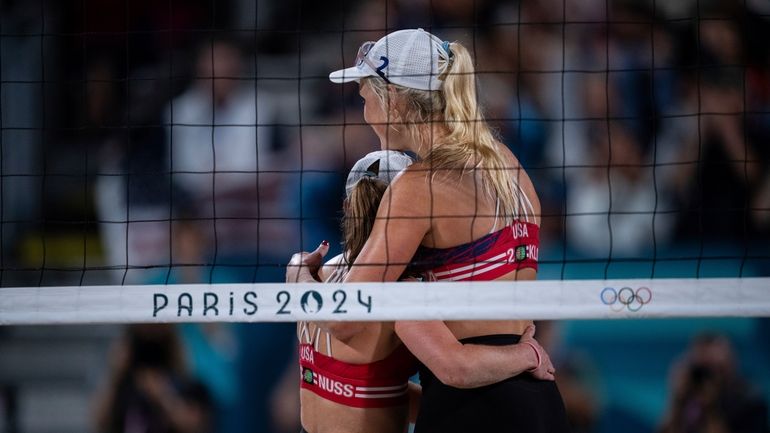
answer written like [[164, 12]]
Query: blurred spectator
[[148, 390], [222, 154], [727, 163], [129, 77], [330, 144], [131, 192], [627, 53], [230, 359], [612, 205], [210, 348], [709, 395]]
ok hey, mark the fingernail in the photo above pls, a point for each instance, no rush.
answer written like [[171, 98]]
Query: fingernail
[[325, 243]]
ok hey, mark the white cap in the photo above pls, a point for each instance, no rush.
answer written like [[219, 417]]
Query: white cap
[[383, 165], [411, 58]]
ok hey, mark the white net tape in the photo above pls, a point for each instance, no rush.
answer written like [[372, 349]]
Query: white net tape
[[538, 300]]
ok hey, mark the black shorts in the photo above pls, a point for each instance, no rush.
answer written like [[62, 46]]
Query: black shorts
[[518, 404]]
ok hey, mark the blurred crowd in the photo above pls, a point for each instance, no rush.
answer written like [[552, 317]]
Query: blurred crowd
[[200, 141], [643, 125], [162, 379]]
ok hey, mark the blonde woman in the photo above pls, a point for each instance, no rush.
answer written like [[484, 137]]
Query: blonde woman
[[360, 383], [466, 211]]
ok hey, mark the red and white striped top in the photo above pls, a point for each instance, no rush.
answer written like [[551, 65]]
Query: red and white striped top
[[488, 258], [382, 383]]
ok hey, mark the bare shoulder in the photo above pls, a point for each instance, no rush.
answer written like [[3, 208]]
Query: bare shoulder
[[414, 176], [334, 270], [409, 191]]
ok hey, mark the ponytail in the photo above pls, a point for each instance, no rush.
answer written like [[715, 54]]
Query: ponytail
[[471, 144], [462, 112], [360, 213]]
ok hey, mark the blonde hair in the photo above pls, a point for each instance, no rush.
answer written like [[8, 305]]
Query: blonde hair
[[360, 213], [469, 143]]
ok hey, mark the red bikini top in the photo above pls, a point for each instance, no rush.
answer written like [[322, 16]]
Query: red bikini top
[[487, 258], [381, 383]]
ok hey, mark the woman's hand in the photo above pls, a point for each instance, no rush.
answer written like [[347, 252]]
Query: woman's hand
[[303, 267], [543, 368]]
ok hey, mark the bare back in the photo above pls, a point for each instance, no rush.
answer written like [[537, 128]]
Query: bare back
[[371, 342], [463, 213], [319, 415]]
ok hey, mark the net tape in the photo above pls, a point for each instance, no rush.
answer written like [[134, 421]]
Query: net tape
[[274, 302]]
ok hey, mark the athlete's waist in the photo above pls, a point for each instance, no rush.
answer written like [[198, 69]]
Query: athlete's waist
[[492, 339], [430, 382]]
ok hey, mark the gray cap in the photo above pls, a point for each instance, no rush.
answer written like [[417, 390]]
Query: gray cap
[[382, 164]]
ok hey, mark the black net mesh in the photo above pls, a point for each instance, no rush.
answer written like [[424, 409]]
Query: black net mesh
[[201, 141]]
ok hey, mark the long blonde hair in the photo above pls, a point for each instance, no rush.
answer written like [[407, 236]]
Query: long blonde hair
[[469, 143]]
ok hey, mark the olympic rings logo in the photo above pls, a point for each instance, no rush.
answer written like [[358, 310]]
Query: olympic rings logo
[[626, 297]]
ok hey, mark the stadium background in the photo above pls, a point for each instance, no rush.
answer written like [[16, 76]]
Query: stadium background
[[644, 125]]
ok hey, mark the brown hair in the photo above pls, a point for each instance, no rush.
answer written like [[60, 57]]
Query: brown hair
[[360, 213], [469, 143]]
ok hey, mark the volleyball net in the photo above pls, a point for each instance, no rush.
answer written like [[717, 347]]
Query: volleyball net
[[163, 163], [266, 302]]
